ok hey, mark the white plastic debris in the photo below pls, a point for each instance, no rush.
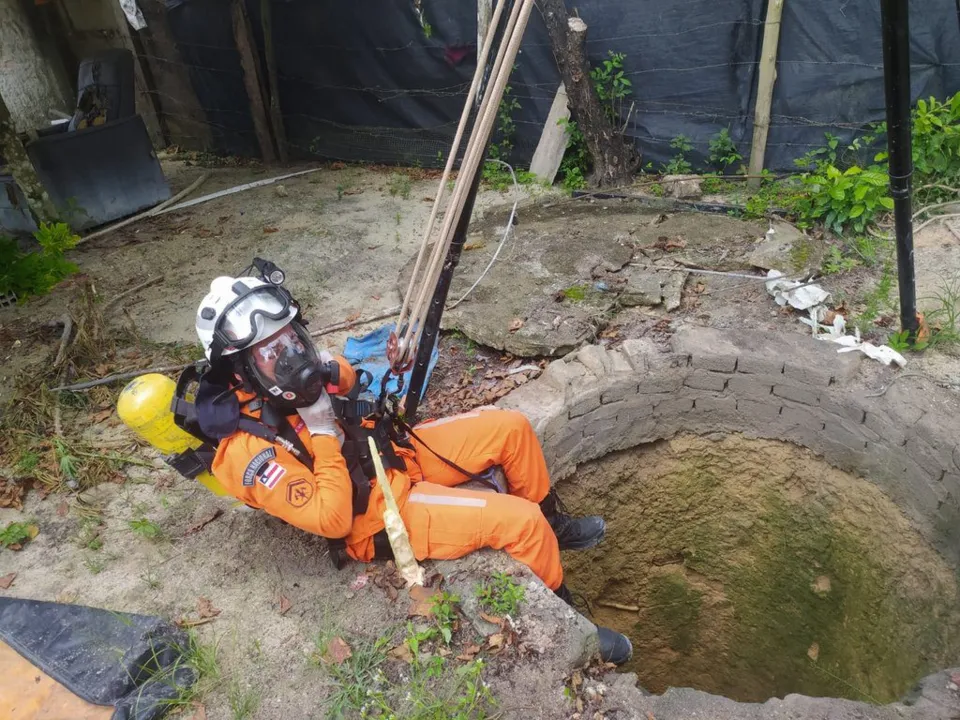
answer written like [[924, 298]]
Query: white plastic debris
[[794, 293], [812, 298]]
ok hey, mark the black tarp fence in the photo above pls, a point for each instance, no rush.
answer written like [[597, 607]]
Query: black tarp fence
[[364, 81]]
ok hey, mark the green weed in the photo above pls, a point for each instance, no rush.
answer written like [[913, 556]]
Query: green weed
[[837, 262], [679, 165], [400, 185], [574, 293], [244, 700], [16, 534], [147, 529], [444, 607], [944, 319], [723, 151], [500, 595], [37, 273], [576, 158]]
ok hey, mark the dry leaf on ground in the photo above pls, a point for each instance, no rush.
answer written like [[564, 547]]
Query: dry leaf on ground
[[285, 604], [401, 652], [337, 651], [495, 641], [469, 653], [493, 619], [422, 605], [11, 494], [205, 608], [7, 580]]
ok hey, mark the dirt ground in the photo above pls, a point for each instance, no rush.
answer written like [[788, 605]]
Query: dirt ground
[[755, 570], [344, 236]]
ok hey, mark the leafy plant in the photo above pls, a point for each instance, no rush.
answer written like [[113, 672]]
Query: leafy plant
[[878, 300], [17, 534], [837, 262], [576, 158], [506, 126], [37, 273], [444, 606], [501, 595], [146, 529], [900, 341], [679, 165], [612, 85], [936, 138], [399, 184], [723, 151], [844, 199]]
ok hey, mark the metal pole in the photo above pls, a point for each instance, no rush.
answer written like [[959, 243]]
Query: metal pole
[[431, 326], [894, 17]]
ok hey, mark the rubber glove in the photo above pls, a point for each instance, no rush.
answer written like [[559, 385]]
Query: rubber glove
[[319, 417]]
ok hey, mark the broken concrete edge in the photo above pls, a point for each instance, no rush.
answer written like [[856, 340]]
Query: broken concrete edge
[[853, 413]]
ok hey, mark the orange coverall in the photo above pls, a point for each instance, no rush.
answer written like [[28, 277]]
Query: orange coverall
[[444, 522]]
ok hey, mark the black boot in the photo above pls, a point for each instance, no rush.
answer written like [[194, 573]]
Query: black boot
[[572, 533], [614, 647]]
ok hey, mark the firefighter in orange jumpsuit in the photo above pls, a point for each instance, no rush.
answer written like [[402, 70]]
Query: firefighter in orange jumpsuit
[[251, 328]]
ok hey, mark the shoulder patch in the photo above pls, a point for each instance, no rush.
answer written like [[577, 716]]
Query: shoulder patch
[[256, 465]]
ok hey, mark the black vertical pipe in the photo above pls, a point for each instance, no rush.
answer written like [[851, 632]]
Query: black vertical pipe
[[431, 325], [894, 19]]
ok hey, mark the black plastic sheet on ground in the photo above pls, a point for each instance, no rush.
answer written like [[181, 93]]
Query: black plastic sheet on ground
[[365, 81], [131, 662]]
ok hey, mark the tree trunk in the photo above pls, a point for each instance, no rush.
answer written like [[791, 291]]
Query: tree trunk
[[24, 174], [615, 158]]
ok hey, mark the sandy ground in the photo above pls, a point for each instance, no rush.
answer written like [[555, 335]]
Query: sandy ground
[[343, 239]]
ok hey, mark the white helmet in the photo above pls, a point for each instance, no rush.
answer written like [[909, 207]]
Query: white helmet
[[240, 312]]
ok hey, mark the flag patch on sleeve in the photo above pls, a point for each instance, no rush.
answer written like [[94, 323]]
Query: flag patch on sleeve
[[271, 475]]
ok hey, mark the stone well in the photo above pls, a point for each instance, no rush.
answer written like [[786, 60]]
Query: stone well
[[894, 440]]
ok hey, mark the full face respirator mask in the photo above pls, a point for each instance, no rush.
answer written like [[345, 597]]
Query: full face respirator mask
[[287, 369]]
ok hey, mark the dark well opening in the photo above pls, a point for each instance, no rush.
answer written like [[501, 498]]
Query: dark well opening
[[752, 569]]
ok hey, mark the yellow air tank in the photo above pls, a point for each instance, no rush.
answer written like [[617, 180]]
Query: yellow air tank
[[144, 407]]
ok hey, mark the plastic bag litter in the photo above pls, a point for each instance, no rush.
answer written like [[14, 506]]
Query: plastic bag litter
[[794, 293], [811, 299]]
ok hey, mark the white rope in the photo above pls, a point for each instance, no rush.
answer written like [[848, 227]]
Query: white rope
[[503, 240], [483, 127]]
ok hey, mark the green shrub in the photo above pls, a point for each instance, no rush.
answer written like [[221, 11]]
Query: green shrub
[[844, 199], [723, 151], [37, 273]]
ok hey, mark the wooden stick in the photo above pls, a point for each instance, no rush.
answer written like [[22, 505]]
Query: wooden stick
[[276, 117], [768, 76], [64, 339], [351, 323], [618, 606], [249, 64], [176, 368], [156, 210], [126, 293], [119, 376]]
